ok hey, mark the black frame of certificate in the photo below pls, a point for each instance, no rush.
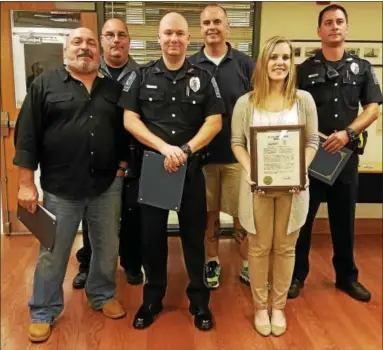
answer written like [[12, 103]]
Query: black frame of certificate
[[254, 130]]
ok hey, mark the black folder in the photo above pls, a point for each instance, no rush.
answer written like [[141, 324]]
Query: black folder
[[326, 166], [159, 188], [42, 224]]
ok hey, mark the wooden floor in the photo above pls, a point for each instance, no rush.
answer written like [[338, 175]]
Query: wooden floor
[[322, 318]]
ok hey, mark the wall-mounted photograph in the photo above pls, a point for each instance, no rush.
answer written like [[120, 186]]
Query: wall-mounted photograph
[[368, 50]]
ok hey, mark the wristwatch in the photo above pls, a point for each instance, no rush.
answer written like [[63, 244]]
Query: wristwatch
[[122, 169], [186, 149], [352, 135]]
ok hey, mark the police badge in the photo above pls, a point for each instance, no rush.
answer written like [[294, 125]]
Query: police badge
[[194, 84], [354, 68]]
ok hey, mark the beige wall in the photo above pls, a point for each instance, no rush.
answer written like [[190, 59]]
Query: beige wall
[[298, 20]]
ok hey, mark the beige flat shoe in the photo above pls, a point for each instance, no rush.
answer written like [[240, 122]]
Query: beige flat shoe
[[278, 330], [263, 329]]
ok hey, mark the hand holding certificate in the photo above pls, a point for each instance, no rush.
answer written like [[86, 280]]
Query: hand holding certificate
[[277, 157]]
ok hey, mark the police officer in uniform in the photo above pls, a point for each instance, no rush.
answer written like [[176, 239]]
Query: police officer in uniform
[[117, 64], [174, 108], [338, 81]]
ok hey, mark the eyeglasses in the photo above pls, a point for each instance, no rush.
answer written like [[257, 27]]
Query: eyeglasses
[[111, 36]]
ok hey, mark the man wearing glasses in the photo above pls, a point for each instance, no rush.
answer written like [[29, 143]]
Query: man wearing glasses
[[117, 64]]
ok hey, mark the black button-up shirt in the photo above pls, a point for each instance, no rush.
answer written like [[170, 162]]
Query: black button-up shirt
[[74, 135], [173, 109], [233, 76], [337, 100]]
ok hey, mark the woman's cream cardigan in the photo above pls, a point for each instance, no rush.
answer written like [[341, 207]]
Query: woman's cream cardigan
[[241, 121]]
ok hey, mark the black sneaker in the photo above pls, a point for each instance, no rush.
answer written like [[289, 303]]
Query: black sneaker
[[295, 288], [212, 274]]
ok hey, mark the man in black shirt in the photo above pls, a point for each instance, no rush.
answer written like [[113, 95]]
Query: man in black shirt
[[174, 108], [233, 70], [70, 124], [338, 81], [117, 64]]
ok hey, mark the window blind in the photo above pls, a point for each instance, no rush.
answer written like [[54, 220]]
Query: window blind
[[143, 18]]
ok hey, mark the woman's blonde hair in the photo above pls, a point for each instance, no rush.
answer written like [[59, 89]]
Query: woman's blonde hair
[[261, 81]]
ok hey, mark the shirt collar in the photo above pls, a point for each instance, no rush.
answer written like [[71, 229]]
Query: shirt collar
[[129, 66], [201, 56], [319, 57], [187, 68], [65, 74]]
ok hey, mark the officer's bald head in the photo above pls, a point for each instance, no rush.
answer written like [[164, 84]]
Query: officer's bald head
[[173, 35], [174, 20]]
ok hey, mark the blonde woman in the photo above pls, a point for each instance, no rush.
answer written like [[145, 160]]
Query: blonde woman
[[273, 217]]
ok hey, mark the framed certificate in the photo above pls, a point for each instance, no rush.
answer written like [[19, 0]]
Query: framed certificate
[[277, 155]]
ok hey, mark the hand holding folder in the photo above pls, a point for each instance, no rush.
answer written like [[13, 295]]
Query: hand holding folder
[[159, 188], [327, 166], [42, 224]]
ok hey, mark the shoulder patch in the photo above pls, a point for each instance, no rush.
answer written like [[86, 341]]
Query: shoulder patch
[[130, 81], [215, 86], [376, 81]]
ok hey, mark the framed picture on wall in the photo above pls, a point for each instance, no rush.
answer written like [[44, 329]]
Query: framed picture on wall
[[371, 51]]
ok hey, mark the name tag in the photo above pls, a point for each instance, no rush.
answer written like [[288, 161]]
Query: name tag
[[151, 86], [313, 75]]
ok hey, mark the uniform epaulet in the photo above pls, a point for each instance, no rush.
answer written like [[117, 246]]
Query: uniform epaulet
[[195, 66], [149, 64], [311, 58]]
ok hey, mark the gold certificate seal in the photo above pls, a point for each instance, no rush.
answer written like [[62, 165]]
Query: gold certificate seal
[[268, 180]]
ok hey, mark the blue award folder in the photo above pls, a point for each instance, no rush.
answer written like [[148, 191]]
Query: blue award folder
[[159, 188], [326, 166]]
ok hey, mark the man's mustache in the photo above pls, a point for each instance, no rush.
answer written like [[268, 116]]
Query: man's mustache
[[86, 53], [213, 32]]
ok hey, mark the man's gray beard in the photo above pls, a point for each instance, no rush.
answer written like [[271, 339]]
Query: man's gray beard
[[82, 67]]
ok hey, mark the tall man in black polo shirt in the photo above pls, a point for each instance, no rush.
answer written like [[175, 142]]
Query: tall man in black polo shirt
[[174, 108], [117, 64], [232, 69], [337, 81], [70, 124]]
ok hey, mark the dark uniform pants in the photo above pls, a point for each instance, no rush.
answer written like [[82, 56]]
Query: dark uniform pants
[[192, 223], [130, 233], [341, 199]]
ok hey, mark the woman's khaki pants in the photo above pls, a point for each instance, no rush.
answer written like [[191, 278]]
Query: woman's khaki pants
[[271, 246]]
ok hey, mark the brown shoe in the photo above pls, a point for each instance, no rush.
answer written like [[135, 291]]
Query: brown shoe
[[113, 309], [39, 332]]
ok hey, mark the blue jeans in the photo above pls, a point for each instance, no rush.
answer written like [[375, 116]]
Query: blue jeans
[[103, 214]]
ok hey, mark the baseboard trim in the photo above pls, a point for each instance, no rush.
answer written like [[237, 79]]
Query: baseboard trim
[[362, 226]]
